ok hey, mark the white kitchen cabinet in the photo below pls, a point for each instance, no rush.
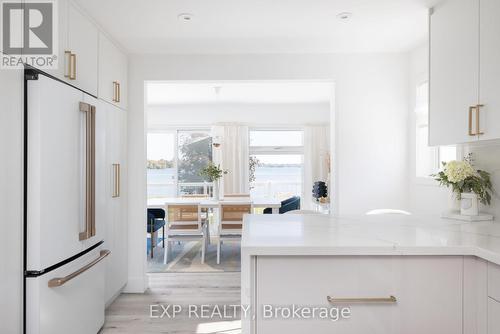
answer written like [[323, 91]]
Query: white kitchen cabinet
[[428, 290], [489, 69], [62, 37], [454, 71], [83, 44], [112, 73], [464, 72], [116, 226]]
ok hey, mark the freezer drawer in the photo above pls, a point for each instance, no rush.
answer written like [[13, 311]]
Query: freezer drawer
[[74, 306]]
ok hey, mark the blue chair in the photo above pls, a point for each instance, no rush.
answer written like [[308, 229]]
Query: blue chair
[[292, 203], [156, 221]]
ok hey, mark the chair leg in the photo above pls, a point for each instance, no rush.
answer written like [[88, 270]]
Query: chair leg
[[152, 246], [163, 231], [203, 247], [218, 251], [165, 252]]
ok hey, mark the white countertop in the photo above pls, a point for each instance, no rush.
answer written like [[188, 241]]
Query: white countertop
[[369, 235]]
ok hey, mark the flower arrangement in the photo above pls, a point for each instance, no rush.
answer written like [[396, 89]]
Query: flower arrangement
[[463, 178], [212, 172]]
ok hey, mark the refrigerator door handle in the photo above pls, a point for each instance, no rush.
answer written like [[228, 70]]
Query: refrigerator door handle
[[89, 111], [58, 281]]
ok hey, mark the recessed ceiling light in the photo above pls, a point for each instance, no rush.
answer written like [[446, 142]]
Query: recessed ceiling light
[[185, 17], [344, 16]]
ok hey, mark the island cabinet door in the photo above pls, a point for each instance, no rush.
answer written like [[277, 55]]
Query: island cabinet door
[[378, 294]]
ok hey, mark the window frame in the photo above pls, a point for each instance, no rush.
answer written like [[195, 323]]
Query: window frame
[[175, 130], [280, 150]]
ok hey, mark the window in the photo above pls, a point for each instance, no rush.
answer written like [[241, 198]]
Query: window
[[161, 176], [276, 163], [175, 159], [428, 159], [194, 153]]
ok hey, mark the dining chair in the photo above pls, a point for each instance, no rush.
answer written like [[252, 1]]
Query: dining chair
[[156, 221], [184, 224], [231, 222]]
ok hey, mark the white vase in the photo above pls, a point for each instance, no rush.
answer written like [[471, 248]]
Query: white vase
[[469, 204], [453, 202], [215, 190]]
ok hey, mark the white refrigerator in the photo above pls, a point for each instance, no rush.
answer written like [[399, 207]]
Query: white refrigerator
[[64, 208]]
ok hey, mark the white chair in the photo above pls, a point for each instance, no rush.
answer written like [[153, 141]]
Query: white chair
[[184, 224], [231, 222], [387, 212]]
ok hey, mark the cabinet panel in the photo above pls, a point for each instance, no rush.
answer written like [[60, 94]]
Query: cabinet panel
[[428, 292], [62, 60], [116, 228], [454, 70], [494, 281], [112, 73], [83, 42], [493, 316], [490, 69]]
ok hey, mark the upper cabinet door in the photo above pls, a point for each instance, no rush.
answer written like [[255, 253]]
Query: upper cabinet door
[[82, 44], [454, 71], [489, 94], [112, 73]]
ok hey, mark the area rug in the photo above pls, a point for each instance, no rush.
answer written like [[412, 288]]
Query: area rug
[[186, 257]]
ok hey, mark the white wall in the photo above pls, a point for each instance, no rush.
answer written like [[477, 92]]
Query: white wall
[[371, 102], [247, 113], [426, 196], [11, 192]]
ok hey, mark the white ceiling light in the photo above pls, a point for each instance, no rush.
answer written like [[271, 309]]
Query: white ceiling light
[[185, 17], [344, 16]]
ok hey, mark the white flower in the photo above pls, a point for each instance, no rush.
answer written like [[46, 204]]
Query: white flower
[[457, 171]]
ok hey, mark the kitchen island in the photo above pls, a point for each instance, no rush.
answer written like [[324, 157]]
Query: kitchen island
[[396, 273]]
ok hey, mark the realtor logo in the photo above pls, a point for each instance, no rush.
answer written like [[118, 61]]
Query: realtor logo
[[29, 34]]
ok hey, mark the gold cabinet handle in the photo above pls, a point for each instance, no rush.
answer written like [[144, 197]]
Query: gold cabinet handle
[[478, 119], [119, 92], [72, 64], [471, 111], [67, 67], [114, 91], [58, 281], [333, 300], [116, 180], [90, 230]]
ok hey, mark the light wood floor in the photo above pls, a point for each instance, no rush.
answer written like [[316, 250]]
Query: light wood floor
[[130, 313]]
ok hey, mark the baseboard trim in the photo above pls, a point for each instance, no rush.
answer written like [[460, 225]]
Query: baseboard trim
[[135, 285]]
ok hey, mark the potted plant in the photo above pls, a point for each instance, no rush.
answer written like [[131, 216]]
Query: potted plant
[[469, 185], [213, 173]]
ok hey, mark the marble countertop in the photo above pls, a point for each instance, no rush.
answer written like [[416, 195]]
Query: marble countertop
[[369, 235]]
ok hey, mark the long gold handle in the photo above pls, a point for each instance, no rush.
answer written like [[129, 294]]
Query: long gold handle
[[58, 281], [119, 92], [478, 120], [471, 111], [114, 91], [72, 64], [390, 299], [89, 171], [116, 181], [67, 59]]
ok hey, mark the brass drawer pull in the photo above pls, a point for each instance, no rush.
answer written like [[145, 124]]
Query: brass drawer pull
[[116, 181], [478, 120], [471, 111], [58, 281], [334, 300]]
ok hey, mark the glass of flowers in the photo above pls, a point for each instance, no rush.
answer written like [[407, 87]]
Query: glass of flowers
[[468, 184]]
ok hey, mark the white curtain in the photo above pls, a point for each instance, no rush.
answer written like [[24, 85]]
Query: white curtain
[[232, 155], [316, 159]]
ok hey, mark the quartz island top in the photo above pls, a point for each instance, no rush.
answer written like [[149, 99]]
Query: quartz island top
[[275, 235]]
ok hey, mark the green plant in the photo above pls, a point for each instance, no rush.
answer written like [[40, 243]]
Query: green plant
[[462, 178], [212, 172]]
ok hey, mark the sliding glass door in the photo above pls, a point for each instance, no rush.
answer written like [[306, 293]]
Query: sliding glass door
[[175, 159]]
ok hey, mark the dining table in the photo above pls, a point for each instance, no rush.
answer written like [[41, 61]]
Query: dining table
[[211, 203]]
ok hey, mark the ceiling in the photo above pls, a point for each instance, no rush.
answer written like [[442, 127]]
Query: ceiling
[[261, 26], [162, 93]]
